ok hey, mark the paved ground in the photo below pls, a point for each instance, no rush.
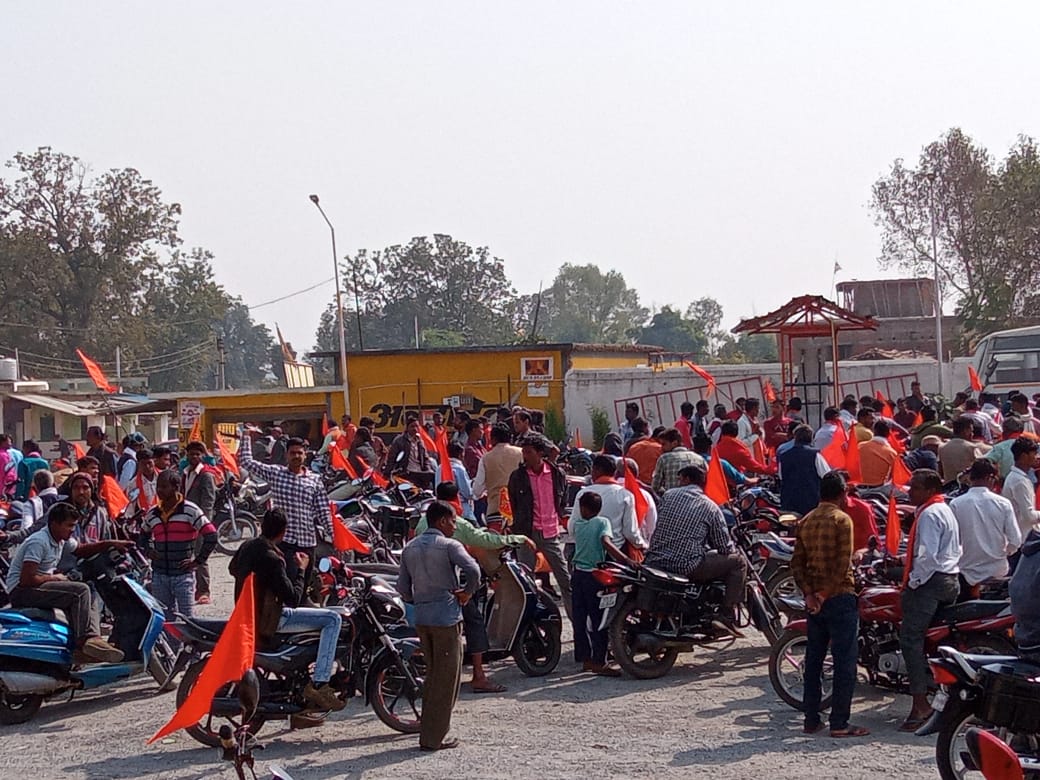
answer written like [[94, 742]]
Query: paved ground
[[714, 715]]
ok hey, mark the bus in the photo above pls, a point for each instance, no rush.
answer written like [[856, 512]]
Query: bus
[[1010, 360]]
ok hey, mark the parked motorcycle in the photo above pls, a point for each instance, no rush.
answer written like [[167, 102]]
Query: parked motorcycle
[[36, 655], [379, 657], [235, 525], [237, 745], [972, 626], [576, 461], [990, 692]]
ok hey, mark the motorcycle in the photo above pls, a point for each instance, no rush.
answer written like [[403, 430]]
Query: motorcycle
[[576, 461], [653, 615], [35, 653], [988, 692], [973, 626], [378, 655], [235, 525]]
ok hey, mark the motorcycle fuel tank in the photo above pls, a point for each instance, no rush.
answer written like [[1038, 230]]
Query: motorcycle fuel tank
[[880, 604]]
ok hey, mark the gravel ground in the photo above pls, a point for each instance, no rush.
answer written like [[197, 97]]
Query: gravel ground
[[714, 714]]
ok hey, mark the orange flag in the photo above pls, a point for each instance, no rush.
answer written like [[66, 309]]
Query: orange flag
[[716, 487], [196, 430], [113, 496], [447, 473], [918, 420], [230, 659], [769, 391], [324, 423], [852, 460], [703, 375], [886, 409], [893, 530], [976, 383], [834, 453], [632, 486], [230, 461], [96, 374], [341, 463], [896, 442], [78, 450], [428, 443], [378, 478], [577, 439], [900, 473], [342, 537]]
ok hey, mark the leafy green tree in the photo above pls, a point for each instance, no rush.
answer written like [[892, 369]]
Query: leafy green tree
[[670, 330], [749, 348], [586, 305]]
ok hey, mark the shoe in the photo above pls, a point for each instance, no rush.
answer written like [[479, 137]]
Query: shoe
[[101, 651], [79, 658], [603, 670], [447, 744], [723, 623], [587, 666], [324, 697], [203, 599]]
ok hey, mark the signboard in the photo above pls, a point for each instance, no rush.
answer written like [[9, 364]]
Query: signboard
[[536, 369], [188, 412], [537, 389]]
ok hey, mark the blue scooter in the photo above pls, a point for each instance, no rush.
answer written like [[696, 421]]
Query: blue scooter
[[36, 645]]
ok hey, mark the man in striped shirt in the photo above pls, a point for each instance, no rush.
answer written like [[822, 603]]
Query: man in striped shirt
[[168, 537], [299, 493]]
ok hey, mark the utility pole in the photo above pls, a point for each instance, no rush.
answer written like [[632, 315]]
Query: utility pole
[[119, 363], [339, 311], [221, 363], [938, 291]]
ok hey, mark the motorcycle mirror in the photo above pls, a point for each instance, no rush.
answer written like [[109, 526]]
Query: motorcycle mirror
[[400, 457], [249, 694], [324, 565], [872, 543]]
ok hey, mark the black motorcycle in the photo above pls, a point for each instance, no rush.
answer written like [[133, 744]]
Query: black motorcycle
[[378, 655]]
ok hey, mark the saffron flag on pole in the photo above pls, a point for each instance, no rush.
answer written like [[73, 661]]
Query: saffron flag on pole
[[973, 376], [428, 443], [893, 530], [834, 453], [886, 407], [632, 486], [196, 430], [716, 488], [852, 460], [378, 478], [769, 391], [447, 473], [577, 439], [78, 450], [342, 537], [897, 442], [230, 659], [113, 496], [341, 463], [96, 374], [230, 461], [703, 375], [900, 473], [324, 424]]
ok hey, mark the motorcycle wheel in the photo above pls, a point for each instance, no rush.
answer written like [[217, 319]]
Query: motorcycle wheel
[[786, 670], [207, 730], [537, 651], [231, 536], [950, 744], [393, 699], [782, 583], [985, 644], [643, 664], [19, 709], [160, 662]]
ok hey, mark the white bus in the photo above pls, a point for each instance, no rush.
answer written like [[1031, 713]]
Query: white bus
[[1010, 360]]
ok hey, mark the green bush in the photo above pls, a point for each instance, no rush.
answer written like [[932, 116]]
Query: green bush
[[555, 428], [600, 426]]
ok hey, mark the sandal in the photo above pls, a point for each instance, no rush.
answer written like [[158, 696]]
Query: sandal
[[850, 731], [912, 724], [812, 729], [488, 687]]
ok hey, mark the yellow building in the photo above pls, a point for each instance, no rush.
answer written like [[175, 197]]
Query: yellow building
[[385, 384]]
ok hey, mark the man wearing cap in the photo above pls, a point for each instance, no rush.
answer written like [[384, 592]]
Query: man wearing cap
[[126, 466], [199, 487]]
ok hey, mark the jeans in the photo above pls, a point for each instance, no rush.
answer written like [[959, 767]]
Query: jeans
[[72, 598], [289, 551], [919, 607], [175, 592], [552, 549], [837, 625], [442, 649], [590, 643], [304, 619]]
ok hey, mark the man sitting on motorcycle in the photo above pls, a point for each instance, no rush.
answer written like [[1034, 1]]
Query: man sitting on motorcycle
[[276, 598], [33, 582], [691, 540]]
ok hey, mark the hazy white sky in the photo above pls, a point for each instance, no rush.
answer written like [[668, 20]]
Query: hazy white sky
[[722, 149]]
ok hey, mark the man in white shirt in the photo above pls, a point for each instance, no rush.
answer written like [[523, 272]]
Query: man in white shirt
[[930, 583], [987, 526], [495, 467], [618, 507], [825, 435], [646, 528], [1020, 485], [748, 429]]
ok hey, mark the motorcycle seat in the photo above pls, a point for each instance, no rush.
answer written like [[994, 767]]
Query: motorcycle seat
[[40, 613], [666, 577], [970, 610], [216, 627]]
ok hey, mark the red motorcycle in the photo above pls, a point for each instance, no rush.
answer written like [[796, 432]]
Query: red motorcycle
[[981, 626]]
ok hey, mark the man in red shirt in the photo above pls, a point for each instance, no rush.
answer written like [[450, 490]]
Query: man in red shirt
[[737, 453], [863, 523], [775, 427]]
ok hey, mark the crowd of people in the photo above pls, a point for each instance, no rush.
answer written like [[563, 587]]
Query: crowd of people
[[644, 503]]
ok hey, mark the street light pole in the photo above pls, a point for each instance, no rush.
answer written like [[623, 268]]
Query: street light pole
[[339, 311], [938, 291]]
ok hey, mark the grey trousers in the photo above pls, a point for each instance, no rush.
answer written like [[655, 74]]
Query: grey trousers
[[72, 598], [731, 569], [552, 549], [919, 607], [442, 649], [201, 572]]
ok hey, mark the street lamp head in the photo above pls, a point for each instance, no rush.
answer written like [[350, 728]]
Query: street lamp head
[[314, 199]]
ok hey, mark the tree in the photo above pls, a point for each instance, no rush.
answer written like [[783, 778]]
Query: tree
[[986, 219], [749, 348], [586, 305], [670, 330]]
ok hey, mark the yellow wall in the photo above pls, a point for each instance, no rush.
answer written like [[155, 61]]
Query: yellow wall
[[305, 406], [608, 360]]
